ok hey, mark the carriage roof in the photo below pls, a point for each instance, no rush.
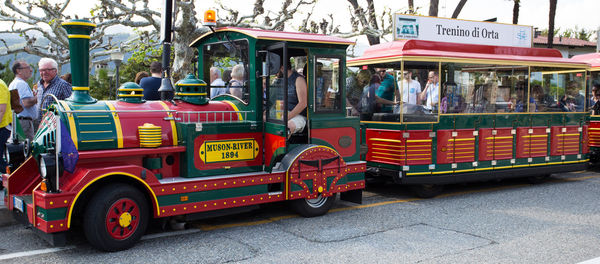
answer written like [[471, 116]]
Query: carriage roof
[[395, 50], [279, 36], [593, 59]]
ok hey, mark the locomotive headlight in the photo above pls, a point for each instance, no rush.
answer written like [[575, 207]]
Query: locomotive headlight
[[49, 170], [43, 170], [7, 155], [26, 148]]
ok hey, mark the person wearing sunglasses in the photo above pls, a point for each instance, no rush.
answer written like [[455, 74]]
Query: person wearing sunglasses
[[28, 100]]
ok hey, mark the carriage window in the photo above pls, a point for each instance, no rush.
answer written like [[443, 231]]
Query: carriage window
[[594, 93], [353, 92], [557, 90], [419, 90], [327, 85], [226, 66], [483, 88]]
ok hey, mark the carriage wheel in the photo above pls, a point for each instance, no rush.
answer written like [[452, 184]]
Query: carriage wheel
[[313, 207], [427, 190], [538, 179], [116, 218]]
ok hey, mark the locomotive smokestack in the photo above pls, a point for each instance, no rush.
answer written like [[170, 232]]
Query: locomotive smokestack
[[79, 46], [166, 88]]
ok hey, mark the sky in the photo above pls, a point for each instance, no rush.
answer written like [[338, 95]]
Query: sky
[[570, 13]]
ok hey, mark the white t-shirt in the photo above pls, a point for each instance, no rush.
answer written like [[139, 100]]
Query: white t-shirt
[[409, 91], [432, 96]]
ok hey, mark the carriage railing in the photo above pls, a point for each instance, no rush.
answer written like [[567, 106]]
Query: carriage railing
[[212, 116]]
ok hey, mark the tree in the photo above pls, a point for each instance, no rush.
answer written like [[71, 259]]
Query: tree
[[34, 29], [368, 25], [458, 8], [433, 7], [133, 14], [516, 6], [552, 15]]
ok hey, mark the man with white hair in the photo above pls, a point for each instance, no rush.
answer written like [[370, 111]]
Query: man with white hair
[[51, 83], [217, 85], [22, 72]]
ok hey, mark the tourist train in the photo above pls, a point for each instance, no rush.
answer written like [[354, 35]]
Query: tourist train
[[460, 112]]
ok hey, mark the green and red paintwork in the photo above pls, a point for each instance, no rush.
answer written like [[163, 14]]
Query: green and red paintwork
[[470, 147], [180, 177], [593, 76], [495, 142]]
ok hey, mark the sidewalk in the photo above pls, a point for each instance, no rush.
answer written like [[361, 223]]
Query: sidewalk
[[5, 215]]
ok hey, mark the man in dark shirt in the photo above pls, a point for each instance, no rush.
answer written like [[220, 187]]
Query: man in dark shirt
[[152, 83]]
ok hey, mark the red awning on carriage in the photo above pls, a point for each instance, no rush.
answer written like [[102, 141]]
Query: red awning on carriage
[[421, 48], [591, 58]]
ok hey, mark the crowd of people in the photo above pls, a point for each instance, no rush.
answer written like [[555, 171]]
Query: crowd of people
[[378, 92], [28, 102], [227, 81]]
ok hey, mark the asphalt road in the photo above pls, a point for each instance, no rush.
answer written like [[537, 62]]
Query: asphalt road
[[495, 222]]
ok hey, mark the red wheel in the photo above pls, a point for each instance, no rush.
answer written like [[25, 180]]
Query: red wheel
[[123, 218], [116, 217]]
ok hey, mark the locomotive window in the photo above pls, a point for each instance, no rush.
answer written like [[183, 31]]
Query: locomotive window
[[483, 88], [227, 65], [276, 90], [557, 90], [327, 93]]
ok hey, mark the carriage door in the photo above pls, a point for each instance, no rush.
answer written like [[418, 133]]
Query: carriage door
[[276, 99], [328, 123]]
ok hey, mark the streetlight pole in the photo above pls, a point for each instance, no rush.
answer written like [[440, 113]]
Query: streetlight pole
[[117, 58]]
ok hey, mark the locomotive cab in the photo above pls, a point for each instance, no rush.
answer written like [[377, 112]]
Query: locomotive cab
[[264, 55]]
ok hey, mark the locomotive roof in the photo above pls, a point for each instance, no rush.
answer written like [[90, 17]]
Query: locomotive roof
[[593, 59], [280, 35], [391, 51]]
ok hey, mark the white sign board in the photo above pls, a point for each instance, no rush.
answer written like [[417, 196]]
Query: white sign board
[[461, 31]]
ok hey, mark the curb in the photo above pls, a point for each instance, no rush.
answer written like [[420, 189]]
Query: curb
[[6, 217]]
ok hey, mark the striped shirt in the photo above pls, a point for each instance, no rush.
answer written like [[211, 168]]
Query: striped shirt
[[58, 87]]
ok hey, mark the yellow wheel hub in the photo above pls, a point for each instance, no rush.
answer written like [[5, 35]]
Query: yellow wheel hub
[[125, 219]]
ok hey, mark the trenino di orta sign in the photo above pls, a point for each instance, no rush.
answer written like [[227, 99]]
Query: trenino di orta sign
[[461, 31]]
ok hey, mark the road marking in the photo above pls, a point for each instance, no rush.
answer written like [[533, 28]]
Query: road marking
[[168, 234], [591, 261], [52, 250], [205, 227], [33, 252]]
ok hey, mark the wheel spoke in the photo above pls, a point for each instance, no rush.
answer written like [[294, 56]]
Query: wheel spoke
[[122, 219]]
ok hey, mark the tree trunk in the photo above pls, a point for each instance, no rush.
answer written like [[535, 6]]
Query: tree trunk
[[361, 16], [551, 23], [411, 6], [516, 11], [185, 33], [459, 8], [372, 21], [433, 7]]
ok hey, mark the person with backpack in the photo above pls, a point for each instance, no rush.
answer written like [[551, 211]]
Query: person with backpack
[[370, 100]]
